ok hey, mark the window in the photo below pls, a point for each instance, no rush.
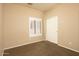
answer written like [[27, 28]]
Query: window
[[35, 26]]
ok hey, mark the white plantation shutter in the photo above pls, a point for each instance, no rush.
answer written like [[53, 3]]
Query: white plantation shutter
[[35, 26]]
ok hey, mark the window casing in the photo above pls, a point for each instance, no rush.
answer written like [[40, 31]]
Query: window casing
[[35, 26]]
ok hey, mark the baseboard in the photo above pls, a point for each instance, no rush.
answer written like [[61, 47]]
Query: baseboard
[[22, 45], [64, 46], [39, 41], [68, 48], [51, 42]]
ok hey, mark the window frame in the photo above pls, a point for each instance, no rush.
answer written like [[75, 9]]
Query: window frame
[[33, 27]]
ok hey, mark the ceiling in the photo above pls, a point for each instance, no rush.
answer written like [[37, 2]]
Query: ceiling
[[41, 6]]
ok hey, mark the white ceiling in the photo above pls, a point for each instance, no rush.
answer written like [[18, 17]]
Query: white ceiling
[[41, 6]]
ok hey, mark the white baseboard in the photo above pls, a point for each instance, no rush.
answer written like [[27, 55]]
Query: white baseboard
[[65, 46], [39, 41], [51, 41], [68, 48], [21, 45]]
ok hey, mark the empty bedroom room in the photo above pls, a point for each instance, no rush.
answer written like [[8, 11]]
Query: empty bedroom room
[[39, 29]]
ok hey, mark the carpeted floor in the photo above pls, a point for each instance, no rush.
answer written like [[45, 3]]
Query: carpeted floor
[[43, 48]]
